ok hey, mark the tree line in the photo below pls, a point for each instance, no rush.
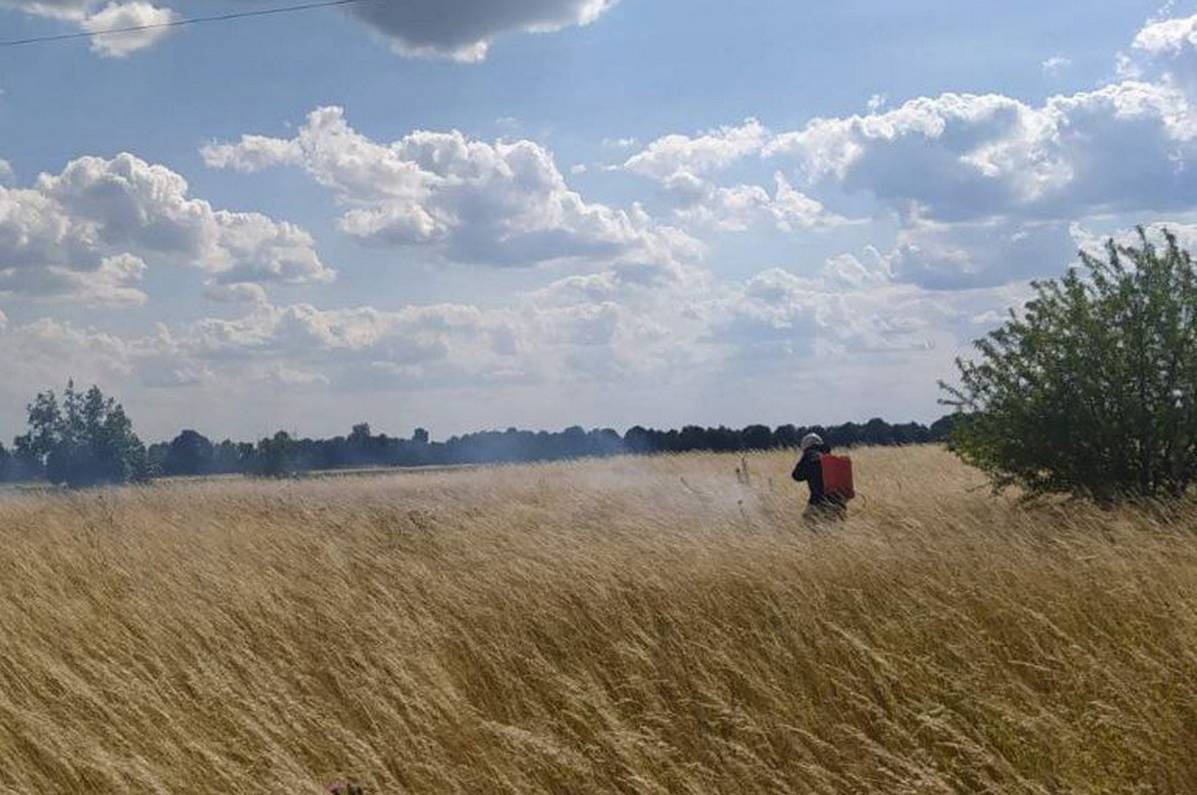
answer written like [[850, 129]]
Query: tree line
[[85, 438]]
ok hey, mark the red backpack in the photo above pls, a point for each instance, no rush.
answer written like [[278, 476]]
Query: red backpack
[[837, 476]]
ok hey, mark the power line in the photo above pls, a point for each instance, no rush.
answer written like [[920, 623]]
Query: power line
[[178, 23]]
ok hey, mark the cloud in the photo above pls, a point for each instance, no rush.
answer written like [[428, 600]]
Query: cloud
[[242, 293], [673, 155], [966, 156], [289, 377], [504, 204], [75, 10], [93, 16], [974, 194], [1055, 65], [430, 346], [111, 284], [628, 323], [849, 272], [116, 16], [87, 234], [423, 347], [778, 316], [1166, 50], [619, 143], [1093, 241], [1167, 36], [985, 253], [850, 323], [463, 30], [611, 328], [986, 187], [737, 208], [1004, 169], [459, 30], [253, 153], [38, 354], [683, 164]]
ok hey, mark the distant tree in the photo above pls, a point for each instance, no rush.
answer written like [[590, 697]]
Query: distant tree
[[786, 436], [359, 445], [639, 440], [605, 441], [6, 465], [45, 427], [941, 430], [756, 437], [275, 457], [87, 440], [420, 437], [877, 431], [1093, 391], [230, 456], [360, 434], [189, 453], [692, 437], [573, 442]]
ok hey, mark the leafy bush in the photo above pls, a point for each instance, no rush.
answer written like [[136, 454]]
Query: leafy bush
[[1093, 390]]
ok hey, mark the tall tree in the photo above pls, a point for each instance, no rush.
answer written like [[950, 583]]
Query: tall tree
[[87, 440]]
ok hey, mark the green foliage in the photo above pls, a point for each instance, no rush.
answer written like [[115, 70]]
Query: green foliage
[[276, 456], [189, 453], [85, 440], [1093, 390]]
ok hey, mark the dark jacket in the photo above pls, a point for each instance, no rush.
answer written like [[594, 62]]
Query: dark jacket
[[810, 469]]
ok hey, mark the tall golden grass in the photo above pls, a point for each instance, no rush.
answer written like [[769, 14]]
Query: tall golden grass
[[631, 625]]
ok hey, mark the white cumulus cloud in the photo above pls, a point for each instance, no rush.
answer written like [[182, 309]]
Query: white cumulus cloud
[[1121, 147], [738, 207], [94, 16], [119, 16], [986, 187], [88, 233], [502, 204], [698, 155], [684, 166]]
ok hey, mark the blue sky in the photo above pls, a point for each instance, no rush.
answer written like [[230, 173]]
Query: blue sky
[[541, 212]]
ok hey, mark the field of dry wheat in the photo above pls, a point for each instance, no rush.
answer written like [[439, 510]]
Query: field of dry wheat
[[628, 625]]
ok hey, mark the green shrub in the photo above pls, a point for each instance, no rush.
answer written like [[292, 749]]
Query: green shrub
[[1092, 391]]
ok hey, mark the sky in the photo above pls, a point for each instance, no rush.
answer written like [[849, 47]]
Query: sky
[[461, 215]]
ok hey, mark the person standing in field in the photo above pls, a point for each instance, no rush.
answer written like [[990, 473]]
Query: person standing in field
[[821, 505]]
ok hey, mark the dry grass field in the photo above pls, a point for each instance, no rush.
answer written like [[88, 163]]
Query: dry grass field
[[630, 625]]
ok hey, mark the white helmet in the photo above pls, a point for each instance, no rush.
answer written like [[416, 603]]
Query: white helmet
[[810, 440]]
